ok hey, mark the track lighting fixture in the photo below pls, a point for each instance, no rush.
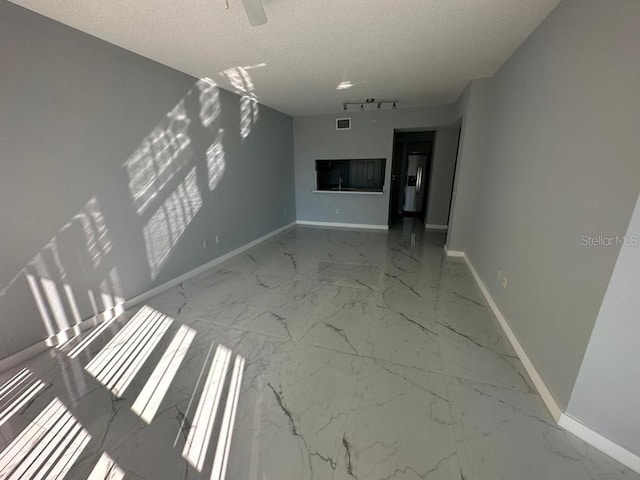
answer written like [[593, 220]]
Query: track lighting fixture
[[371, 101]]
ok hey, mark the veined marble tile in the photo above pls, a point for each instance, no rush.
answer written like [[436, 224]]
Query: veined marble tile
[[354, 275], [422, 286], [452, 301], [276, 260], [211, 289], [417, 302], [294, 428], [239, 315], [170, 302], [210, 278], [146, 450], [343, 327], [426, 262], [505, 433], [306, 292], [238, 288], [400, 339], [358, 247], [410, 237], [298, 306], [399, 427], [456, 308], [598, 465], [456, 278], [474, 347], [348, 337]]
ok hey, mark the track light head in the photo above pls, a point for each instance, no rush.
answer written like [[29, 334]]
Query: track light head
[[370, 101]]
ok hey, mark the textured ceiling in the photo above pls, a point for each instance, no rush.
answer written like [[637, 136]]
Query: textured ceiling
[[422, 52]]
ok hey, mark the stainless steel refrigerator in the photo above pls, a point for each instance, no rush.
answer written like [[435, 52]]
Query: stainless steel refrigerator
[[414, 183]]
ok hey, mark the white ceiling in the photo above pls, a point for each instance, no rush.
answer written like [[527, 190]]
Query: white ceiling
[[422, 52]]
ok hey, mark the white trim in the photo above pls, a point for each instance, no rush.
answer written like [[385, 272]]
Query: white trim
[[350, 192], [453, 253], [431, 226], [143, 297], [564, 420], [603, 444], [544, 392], [22, 356], [44, 345], [343, 225]]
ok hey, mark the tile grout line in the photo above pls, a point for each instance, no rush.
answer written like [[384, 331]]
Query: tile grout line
[[456, 443]]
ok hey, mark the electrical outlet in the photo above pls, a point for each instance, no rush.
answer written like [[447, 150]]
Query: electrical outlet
[[337, 211], [218, 239], [504, 282]]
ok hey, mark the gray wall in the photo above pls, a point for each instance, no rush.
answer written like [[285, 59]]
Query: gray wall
[[371, 136], [441, 179], [74, 133], [560, 161], [605, 397], [471, 112]]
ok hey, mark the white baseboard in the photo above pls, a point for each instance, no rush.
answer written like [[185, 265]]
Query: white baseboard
[[25, 354], [343, 225], [603, 444], [42, 346], [143, 297], [544, 392], [453, 253], [430, 226], [563, 419]]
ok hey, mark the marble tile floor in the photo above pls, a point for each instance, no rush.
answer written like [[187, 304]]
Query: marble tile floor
[[321, 354]]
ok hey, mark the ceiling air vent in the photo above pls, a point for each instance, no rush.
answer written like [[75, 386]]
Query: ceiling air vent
[[343, 124]]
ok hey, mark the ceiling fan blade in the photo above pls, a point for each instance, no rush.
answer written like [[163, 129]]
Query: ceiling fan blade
[[255, 12]]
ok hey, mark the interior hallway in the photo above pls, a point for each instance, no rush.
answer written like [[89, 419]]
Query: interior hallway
[[369, 355]]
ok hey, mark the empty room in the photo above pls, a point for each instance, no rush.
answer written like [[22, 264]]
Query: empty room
[[296, 240]]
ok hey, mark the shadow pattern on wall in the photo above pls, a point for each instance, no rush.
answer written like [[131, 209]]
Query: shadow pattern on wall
[[76, 276]]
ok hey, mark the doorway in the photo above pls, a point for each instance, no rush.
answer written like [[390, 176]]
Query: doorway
[[410, 174], [454, 179]]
